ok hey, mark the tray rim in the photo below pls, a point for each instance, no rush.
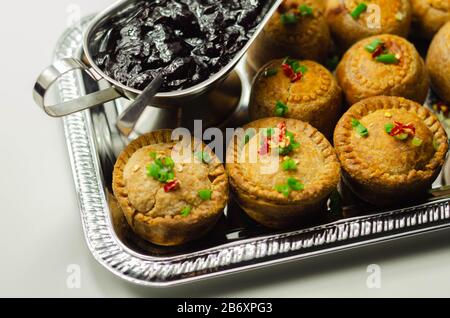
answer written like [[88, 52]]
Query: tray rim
[[112, 254]]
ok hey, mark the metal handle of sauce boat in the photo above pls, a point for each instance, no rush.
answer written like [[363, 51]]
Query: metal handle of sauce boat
[[51, 75]]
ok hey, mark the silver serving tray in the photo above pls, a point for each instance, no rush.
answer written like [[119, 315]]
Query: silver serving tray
[[236, 244]]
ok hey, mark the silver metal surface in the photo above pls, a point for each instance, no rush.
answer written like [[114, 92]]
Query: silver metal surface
[[116, 89], [50, 75], [130, 116], [237, 244]]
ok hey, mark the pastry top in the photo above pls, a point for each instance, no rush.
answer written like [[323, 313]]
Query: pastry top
[[299, 29], [306, 172], [362, 69], [431, 14], [394, 14], [152, 179], [390, 141], [313, 88]]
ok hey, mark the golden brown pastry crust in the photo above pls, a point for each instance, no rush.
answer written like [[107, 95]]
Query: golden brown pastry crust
[[348, 31], [316, 98], [308, 39], [255, 192], [430, 15], [381, 169], [438, 63], [361, 76], [170, 230]]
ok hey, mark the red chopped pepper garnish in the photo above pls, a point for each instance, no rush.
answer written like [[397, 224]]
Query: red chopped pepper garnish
[[283, 130], [265, 147], [297, 77], [401, 128], [266, 142], [379, 50], [171, 186], [288, 70]]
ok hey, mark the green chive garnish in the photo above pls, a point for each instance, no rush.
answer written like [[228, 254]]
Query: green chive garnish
[[295, 185], [269, 132], [360, 129], [362, 7], [164, 176], [374, 45], [153, 171], [295, 66], [153, 155], [292, 145], [298, 68], [205, 195], [281, 109], [270, 72], [249, 134], [203, 156], [289, 164], [417, 142], [388, 128], [284, 189], [186, 211], [305, 10], [289, 61], [288, 18], [387, 59], [292, 185], [401, 137], [169, 163], [162, 169]]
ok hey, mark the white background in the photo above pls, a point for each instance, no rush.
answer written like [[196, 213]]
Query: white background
[[41, 234]]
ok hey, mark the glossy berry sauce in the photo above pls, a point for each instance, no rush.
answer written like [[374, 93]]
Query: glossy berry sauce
[[186, 40]]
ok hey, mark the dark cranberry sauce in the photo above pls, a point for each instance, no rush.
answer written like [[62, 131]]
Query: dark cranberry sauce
[[186, 40]]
